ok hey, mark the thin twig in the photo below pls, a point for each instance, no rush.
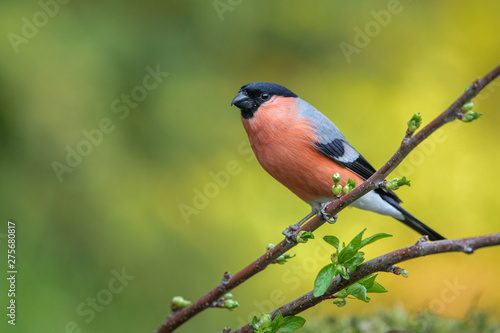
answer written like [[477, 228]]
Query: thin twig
[[179, 317], [383, 263]]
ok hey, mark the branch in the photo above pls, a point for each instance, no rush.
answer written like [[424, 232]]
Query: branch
[[454, 111], [384, 263], [229, 282]]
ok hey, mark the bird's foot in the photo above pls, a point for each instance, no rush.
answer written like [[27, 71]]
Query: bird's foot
[[291, 232], [324, 215]]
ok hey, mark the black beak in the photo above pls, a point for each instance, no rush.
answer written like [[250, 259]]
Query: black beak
[[242, 101]]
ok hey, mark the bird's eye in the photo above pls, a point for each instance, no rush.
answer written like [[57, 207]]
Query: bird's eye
[[265, 96]]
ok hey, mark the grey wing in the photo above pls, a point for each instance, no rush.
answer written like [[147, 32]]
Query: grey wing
[[332, 143]]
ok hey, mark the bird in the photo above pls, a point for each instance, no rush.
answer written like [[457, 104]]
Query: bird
[[301, 148]]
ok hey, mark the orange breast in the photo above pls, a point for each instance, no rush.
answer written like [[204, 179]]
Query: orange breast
[[284, 145]]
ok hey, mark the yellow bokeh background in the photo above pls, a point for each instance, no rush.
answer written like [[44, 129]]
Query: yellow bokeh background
[[120, 206]]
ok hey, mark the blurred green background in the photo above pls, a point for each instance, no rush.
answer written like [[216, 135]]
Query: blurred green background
[[67, 69]]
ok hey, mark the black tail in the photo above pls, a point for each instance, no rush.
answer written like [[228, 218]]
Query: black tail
[[410, 220], [418, 226]]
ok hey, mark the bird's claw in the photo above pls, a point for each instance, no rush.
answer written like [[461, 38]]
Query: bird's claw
[[325, 216], [290, 233]]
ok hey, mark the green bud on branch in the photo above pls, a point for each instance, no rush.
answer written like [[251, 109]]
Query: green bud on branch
[[470, 116], [226, 302], [336, 189], [178, 302], [349, 186], [336, 178], [303, 236], [396, 183], [265, 320], [414, 122], [282, 259], [231, 304], [468, 106]]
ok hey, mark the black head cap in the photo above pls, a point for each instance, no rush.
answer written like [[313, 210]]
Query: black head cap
[[253, 95]]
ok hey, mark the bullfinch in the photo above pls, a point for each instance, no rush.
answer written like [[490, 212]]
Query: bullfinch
[[301, 148]]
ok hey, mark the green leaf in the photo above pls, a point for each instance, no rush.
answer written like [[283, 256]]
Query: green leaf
[[354, 262], [356, 241], [371, 285], [292, 323], [351, 183], [323, 279], [374, 238], [341, 294], [368, 281], [332, 240], [346, 253], [278, 321], [403, 181], [376, 288], [359, 291], [255, 322]]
